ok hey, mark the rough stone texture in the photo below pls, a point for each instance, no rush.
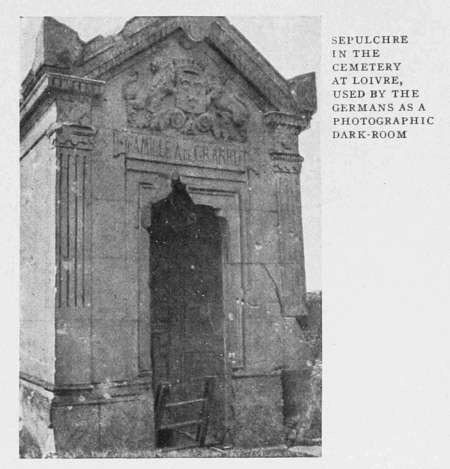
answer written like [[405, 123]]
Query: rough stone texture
[[105, 126], [86, 429], [257, 408], [37, 295], [302, 386], [28, 447], [35, 416], [313, 423]]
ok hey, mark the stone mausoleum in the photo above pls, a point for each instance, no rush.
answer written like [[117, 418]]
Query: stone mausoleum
[[161, 234]]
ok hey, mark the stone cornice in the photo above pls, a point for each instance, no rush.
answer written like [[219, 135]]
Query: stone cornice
[[251, 64], [96, 58], [51, 84], [219, 34], [112, 56]]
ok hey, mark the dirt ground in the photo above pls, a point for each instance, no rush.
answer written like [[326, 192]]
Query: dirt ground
[[281, 451], [271, 452]]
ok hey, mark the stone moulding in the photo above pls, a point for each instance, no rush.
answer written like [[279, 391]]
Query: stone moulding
[[276, 118], [98, 57], [251, 64], [284, 163], [37, 381], [141, 40], [91, 393], [50, 84], [86, 86], [72, 136], [218, 33], [239, 374], [284, 129]]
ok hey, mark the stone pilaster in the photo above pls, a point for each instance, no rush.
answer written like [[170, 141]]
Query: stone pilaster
[[286, 165], [93, 409], [74, 145], [73, 137]]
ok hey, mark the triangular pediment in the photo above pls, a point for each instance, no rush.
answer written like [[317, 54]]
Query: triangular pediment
[[101, 57], [185, 88]]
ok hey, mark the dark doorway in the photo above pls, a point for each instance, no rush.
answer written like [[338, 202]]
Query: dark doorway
[[187, 308]]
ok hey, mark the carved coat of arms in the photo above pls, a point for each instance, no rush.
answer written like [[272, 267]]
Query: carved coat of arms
[[180, 95]]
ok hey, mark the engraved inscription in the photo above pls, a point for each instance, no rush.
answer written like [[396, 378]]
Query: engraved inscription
[[166, 149]]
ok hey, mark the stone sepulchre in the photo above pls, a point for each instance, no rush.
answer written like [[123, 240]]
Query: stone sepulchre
[[161, 235]]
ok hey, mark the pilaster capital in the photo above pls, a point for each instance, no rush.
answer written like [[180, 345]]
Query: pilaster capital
[[72, 136]]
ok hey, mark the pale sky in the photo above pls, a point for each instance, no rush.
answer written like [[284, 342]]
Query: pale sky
[[292, 46]]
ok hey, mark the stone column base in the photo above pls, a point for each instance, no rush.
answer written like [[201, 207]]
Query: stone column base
[[109, 420], [37, 439]]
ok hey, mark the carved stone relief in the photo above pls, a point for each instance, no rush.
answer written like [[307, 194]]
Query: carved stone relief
[[286, 167], [75, 109], [285, 140], [179, 94]]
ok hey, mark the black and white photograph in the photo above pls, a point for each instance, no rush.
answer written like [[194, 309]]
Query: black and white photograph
[[164, 300], [225, 234]]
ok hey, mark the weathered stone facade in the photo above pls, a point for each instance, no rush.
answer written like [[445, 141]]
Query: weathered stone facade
[[107, 126]]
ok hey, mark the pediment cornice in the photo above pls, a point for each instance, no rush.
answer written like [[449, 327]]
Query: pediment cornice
[[100, 56]]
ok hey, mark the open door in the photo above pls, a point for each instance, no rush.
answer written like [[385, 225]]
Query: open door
[[187, 339]]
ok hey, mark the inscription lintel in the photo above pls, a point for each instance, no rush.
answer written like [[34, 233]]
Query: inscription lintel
[[185, 151]]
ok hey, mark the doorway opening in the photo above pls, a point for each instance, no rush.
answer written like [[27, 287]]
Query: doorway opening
[[186, 311]]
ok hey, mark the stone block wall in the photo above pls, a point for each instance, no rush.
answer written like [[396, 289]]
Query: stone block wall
[[37, 252], [302, 387]]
